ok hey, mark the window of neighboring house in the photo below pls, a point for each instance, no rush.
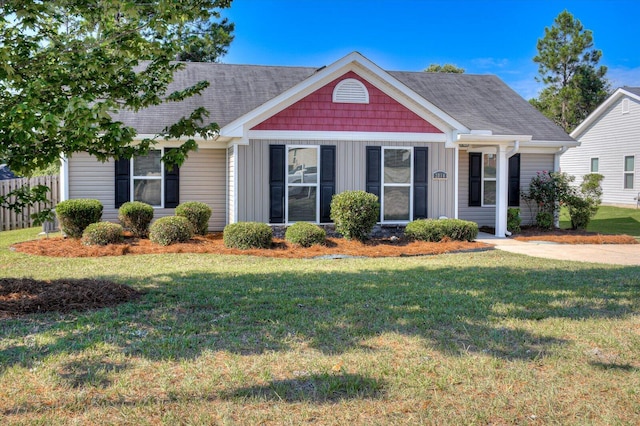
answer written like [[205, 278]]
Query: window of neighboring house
[[489, 180], [397, 179], [629, 169], [302, 183], [147, 178], [595, 163]]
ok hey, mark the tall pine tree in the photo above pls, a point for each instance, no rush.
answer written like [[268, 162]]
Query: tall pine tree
[[568, 66]]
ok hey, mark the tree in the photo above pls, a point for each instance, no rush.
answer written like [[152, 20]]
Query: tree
[[68, 66], [206, 41], [568, 65], [446, 68]]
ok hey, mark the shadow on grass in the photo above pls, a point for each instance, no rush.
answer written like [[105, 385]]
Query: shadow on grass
[[318, 388], [456, 310], [619, 225]]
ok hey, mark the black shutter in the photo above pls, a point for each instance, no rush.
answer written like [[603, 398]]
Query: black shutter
[[123, 182], [475, 179], [373, 177], [514, 181], [277, 159], [420, 182], [171, 186], [327, 180]]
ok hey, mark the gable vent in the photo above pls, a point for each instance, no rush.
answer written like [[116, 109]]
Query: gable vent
[[350, 91], [625, 106]]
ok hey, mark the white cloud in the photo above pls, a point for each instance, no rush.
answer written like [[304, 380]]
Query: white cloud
[[621, 76]]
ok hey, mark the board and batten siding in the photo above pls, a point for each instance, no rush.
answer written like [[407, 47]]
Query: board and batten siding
[[202, 178], [610, 138], [530, 165], [253, 174]]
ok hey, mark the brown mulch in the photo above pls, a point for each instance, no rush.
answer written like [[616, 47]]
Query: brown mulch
[[212, 243], [569, 236], [19, 296]]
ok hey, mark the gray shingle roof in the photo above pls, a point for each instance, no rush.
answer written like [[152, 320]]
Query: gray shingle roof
[[480, 102], [634, 90]]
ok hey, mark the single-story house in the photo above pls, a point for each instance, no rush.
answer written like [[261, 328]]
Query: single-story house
[[609, 145], [427, 144]]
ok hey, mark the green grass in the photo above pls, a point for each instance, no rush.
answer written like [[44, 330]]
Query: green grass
[[610, 220], [472, 338]]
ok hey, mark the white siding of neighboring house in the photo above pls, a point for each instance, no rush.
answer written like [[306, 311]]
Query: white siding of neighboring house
[[610, 138], [530, 164], [253, 174], [202, 178]]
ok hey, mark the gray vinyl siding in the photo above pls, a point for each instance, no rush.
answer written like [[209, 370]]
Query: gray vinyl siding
[[610, 138], [253, 174], [202, 178], [530, 164]]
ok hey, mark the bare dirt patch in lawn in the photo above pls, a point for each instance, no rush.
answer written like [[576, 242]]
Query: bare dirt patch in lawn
[[20, 296], [212, 243]]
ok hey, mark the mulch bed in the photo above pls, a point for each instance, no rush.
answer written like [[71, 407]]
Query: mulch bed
[[19, 296], [212, 243]]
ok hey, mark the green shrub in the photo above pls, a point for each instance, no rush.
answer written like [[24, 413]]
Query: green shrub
[[581, 210], [76, 214], [305, 234], [101, 234], [171, 229], [513, 220], [355, 213], [136, 216], [544, 220], [198, 214], [435, 230], [246, 235]]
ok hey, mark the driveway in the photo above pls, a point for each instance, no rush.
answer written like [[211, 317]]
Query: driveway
[[614, 254]]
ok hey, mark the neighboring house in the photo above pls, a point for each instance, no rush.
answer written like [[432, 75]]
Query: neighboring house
[[6, 173], [428, 144], [610, 145]]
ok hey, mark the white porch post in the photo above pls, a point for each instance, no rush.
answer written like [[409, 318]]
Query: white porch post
[[502, 191]]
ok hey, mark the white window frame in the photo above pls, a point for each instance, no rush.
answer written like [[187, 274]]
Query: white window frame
[[287, 185], [486, 179], [626, 172], [160, 178], [591, 164], [383, 184]]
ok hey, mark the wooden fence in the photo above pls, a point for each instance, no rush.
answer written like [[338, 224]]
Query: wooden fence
[[12, 220]]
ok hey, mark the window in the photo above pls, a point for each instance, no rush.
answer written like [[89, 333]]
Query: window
[[396, 184], [595, 163], [489, 180], [629, 169], [302, 183], [146, 179]]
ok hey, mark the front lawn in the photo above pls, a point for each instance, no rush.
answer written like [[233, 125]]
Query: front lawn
[[610, 220], [476, 338]]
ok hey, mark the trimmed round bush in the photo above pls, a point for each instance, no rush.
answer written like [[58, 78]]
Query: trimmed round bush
[[170, 230], [247, 235], [305, 234], [136, 216], [544, 220], [198, 214], [76, 214], [102, 233], [434, 230], [355, 213], [513, 220]]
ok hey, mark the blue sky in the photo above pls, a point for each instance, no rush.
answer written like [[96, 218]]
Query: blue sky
[[482, 36]]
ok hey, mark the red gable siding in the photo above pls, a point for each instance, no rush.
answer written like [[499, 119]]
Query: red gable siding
[[317, 112]]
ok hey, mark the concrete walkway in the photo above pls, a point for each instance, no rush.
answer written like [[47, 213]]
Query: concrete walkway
[[614, 254]]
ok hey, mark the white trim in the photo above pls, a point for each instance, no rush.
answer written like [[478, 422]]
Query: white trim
[[398, 185], [235, 183], [578, 131], [625, 106], [210, 143], [456, 177], [350, 91], [352, 62], [64, 178], [133, 178], [349, 136]]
